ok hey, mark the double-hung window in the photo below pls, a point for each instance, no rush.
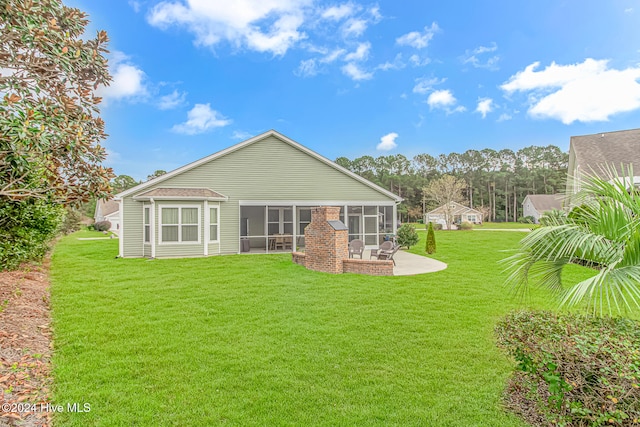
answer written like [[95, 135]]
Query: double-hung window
[[147, 224], [180, 224], [213, 224]]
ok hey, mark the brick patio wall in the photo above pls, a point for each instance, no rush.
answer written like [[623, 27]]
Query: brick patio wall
[[371, 267]]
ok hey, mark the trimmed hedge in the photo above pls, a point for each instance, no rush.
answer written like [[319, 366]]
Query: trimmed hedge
[[102, 226], [573, 370]]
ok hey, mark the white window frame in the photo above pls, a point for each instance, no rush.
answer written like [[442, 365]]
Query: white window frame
[[217, 223], [146, 224], [180, 207]]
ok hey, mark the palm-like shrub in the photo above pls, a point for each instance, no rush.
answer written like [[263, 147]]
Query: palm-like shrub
[[603, 231]]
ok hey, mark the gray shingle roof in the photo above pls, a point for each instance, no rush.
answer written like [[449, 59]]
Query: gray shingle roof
[[611, 148], [546, 202], [191, 193], [108, 206]]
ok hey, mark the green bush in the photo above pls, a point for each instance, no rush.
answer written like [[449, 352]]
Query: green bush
[[407, 236], [71, 221], [431, 239], [527, 220], [102, 226], [26, 228], [573, 370], [466, 226]]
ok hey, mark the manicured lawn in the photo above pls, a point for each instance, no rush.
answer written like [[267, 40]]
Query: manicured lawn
[[503, 225], [257, 340]]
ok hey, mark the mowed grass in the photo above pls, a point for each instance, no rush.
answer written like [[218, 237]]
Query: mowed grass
[[257, 340]]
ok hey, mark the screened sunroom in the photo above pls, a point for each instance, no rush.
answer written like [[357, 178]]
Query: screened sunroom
[[268, 228]]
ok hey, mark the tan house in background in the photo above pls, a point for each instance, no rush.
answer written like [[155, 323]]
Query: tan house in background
[[535, 205], [459, 214]]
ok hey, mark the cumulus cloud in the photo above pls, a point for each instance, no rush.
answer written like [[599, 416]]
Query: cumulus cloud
[[173, 100], [586, 92], [354, 71], [307, 68], [262, 25], [336, 13], [128, 79], [239, 134], [397, 64], [485, 106], [417, 61], [425, 85], [387, 142], [444, 99], [504, 117], [360, 54], [417, 39], [201, 119]]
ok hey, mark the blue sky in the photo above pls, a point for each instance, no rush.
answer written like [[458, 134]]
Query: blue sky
[[363, 78]]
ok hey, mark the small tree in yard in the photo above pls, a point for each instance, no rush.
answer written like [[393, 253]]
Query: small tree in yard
[[431, 239], [407, 236]]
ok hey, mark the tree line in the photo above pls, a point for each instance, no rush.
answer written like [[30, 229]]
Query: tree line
[[496, 181]]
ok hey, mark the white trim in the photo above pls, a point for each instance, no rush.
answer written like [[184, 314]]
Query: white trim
[[145, 207], [304, 203], [250, 141], [121, 239], [179, 225], [217, 240], [153, 228], [206, 228]]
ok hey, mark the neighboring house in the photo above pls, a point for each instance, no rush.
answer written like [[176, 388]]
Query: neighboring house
[[255, 196], [108, 210], [459, 212], [535, 205], [592, 154]]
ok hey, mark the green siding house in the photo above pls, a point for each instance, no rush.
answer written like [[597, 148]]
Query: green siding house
[[255, 196]]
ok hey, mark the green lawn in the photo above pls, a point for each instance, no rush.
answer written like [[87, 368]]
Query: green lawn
[[258, 340], [503, 225]]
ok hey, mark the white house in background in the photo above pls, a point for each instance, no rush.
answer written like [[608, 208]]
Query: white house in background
[[593, 154], [535, 205], [108, 210], [459, 213]]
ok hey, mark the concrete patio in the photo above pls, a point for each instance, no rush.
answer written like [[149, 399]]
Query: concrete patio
[[408, 264]]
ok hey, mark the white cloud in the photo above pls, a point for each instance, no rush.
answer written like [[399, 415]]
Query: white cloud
[[628, 10], [128, 80], [261, 25], [418, 40], [504, 117], [416, 61], [355, 72], [307, 68], [397, 64], [586, 92], [360, 54], [332, 56], [354, 27], [201, 119], [239, 134], [336, 13], [425, 85], [387, 142], [476, 57], [444, 99], [485, 106], [135, 5], [172, 100]]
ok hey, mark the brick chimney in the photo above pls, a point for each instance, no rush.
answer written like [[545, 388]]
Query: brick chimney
[[326, 240]]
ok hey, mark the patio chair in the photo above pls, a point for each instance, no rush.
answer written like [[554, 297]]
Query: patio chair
[[356, 247], [385, 246], [388, 255]]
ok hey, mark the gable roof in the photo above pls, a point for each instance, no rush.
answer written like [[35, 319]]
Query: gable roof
[[458, 209], [545, 202], [181, 194], [592, 152], [246, 143], [107, 207]]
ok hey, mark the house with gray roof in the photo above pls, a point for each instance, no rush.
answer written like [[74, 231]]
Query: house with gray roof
[[535, 205], [593, 154], [255, 196], [108, 210]]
